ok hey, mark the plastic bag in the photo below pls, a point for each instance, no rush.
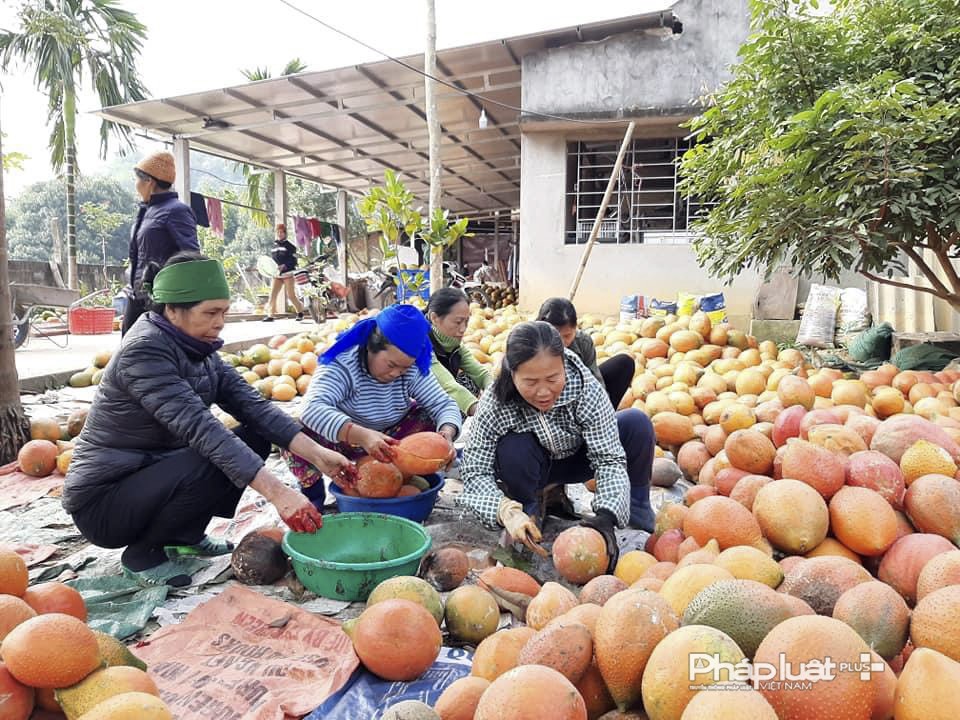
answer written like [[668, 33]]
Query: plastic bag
[[687, 304], [872, 344], [629, 306], [819, 321], [367, 696], [662, 307], [923, 357], [854, 316], [715, 306]]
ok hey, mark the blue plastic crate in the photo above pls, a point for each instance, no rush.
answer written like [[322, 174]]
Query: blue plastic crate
[[404, 292]]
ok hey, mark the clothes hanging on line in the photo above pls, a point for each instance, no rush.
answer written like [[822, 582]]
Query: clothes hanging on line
[[198, 203], [215, 214], [301, 228], [315, 228]]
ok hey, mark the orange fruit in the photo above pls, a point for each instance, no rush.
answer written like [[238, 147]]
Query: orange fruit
[[51, 651], [283, 392], [862, 520], [45, 429], [13, 611], [629, 627], [737, 416], [55, 597], [925, 458], [927, 687], [13, 574], [309, 363], [940, 571], [498, 653], [292, 368], [934, 622], [804, 639], [303, 383], [16, 699], [632, 565]]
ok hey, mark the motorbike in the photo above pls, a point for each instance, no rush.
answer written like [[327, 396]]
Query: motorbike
[[472, 287], [323, 294]]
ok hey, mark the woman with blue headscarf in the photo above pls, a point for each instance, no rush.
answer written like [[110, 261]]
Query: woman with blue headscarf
[[373, 387]]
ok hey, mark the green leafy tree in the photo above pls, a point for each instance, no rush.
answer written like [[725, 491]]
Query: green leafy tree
[[67, 43], [836, 145], [389, 209], [107, 211], [13, 160]]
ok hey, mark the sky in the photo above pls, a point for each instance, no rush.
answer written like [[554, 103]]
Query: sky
[[196, 45]]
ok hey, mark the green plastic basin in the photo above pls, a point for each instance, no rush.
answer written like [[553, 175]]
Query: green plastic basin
[[354, 552]]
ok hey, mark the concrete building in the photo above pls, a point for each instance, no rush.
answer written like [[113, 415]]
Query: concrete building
[[657, 77]]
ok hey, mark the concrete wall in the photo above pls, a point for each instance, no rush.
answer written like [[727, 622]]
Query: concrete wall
[[547, 266], [640, 73], [32, 272], [652, 78]]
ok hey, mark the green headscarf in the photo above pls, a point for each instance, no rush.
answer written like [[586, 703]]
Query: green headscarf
[[191, 281]]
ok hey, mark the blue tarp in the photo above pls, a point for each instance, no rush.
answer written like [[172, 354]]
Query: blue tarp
[[367, 696]]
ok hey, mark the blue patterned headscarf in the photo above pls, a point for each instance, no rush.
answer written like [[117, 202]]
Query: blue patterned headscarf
[[404, 327]]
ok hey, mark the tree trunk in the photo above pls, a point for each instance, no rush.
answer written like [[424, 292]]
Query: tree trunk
[[70, 152], [433, 133], [14, 428]]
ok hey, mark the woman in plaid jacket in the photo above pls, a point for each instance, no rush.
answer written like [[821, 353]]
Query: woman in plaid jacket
[[547, 420]]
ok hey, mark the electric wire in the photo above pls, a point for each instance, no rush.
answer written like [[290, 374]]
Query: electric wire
[[452, 86]]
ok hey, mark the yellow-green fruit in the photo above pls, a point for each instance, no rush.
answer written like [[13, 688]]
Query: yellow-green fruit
[[130, 706], [81, 379], [115, 653], [409, 587], [472, 613], [101, 685]]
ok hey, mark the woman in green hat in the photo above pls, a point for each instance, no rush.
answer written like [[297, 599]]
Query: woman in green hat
[[152, 465]]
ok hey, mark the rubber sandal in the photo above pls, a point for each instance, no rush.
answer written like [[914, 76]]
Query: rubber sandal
[[168, 573], [207, 547]]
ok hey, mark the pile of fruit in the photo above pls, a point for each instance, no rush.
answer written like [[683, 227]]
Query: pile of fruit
[[499, 296], [53, 661], [487, 331], [92, 375], [416, 455], [822, 524], [50, 447]]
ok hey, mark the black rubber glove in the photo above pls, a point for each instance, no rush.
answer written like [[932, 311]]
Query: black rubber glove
[[605, 522]]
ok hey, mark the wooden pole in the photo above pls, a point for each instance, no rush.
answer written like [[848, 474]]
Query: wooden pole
[[603, 208], [433, 133], [496, 243]]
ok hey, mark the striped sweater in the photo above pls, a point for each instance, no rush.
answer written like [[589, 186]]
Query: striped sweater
[[344, 391]]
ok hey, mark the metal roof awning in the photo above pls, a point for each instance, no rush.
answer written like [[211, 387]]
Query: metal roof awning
[[345, 127]]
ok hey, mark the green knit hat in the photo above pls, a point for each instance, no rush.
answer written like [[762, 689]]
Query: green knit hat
[[191, 281]]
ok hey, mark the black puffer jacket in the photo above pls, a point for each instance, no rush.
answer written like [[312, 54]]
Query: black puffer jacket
[[164, 227], [155, 398]]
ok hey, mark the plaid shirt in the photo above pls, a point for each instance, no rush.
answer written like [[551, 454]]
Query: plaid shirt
[[582, 414]]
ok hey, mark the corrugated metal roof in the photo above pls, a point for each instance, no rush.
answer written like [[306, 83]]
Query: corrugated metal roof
[[344, 127]]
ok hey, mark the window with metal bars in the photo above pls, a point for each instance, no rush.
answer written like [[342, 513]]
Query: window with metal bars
[[645, 206]]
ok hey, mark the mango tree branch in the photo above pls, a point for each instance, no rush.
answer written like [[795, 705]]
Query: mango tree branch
[[952, 298], [947, 264], [925, 268]]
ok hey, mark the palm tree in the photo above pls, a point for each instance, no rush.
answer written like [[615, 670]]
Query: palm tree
[[263, 73], [256, 187], [68, 42]]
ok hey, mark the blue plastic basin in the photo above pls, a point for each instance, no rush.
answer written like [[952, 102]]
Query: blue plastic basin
[[413, 507]]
